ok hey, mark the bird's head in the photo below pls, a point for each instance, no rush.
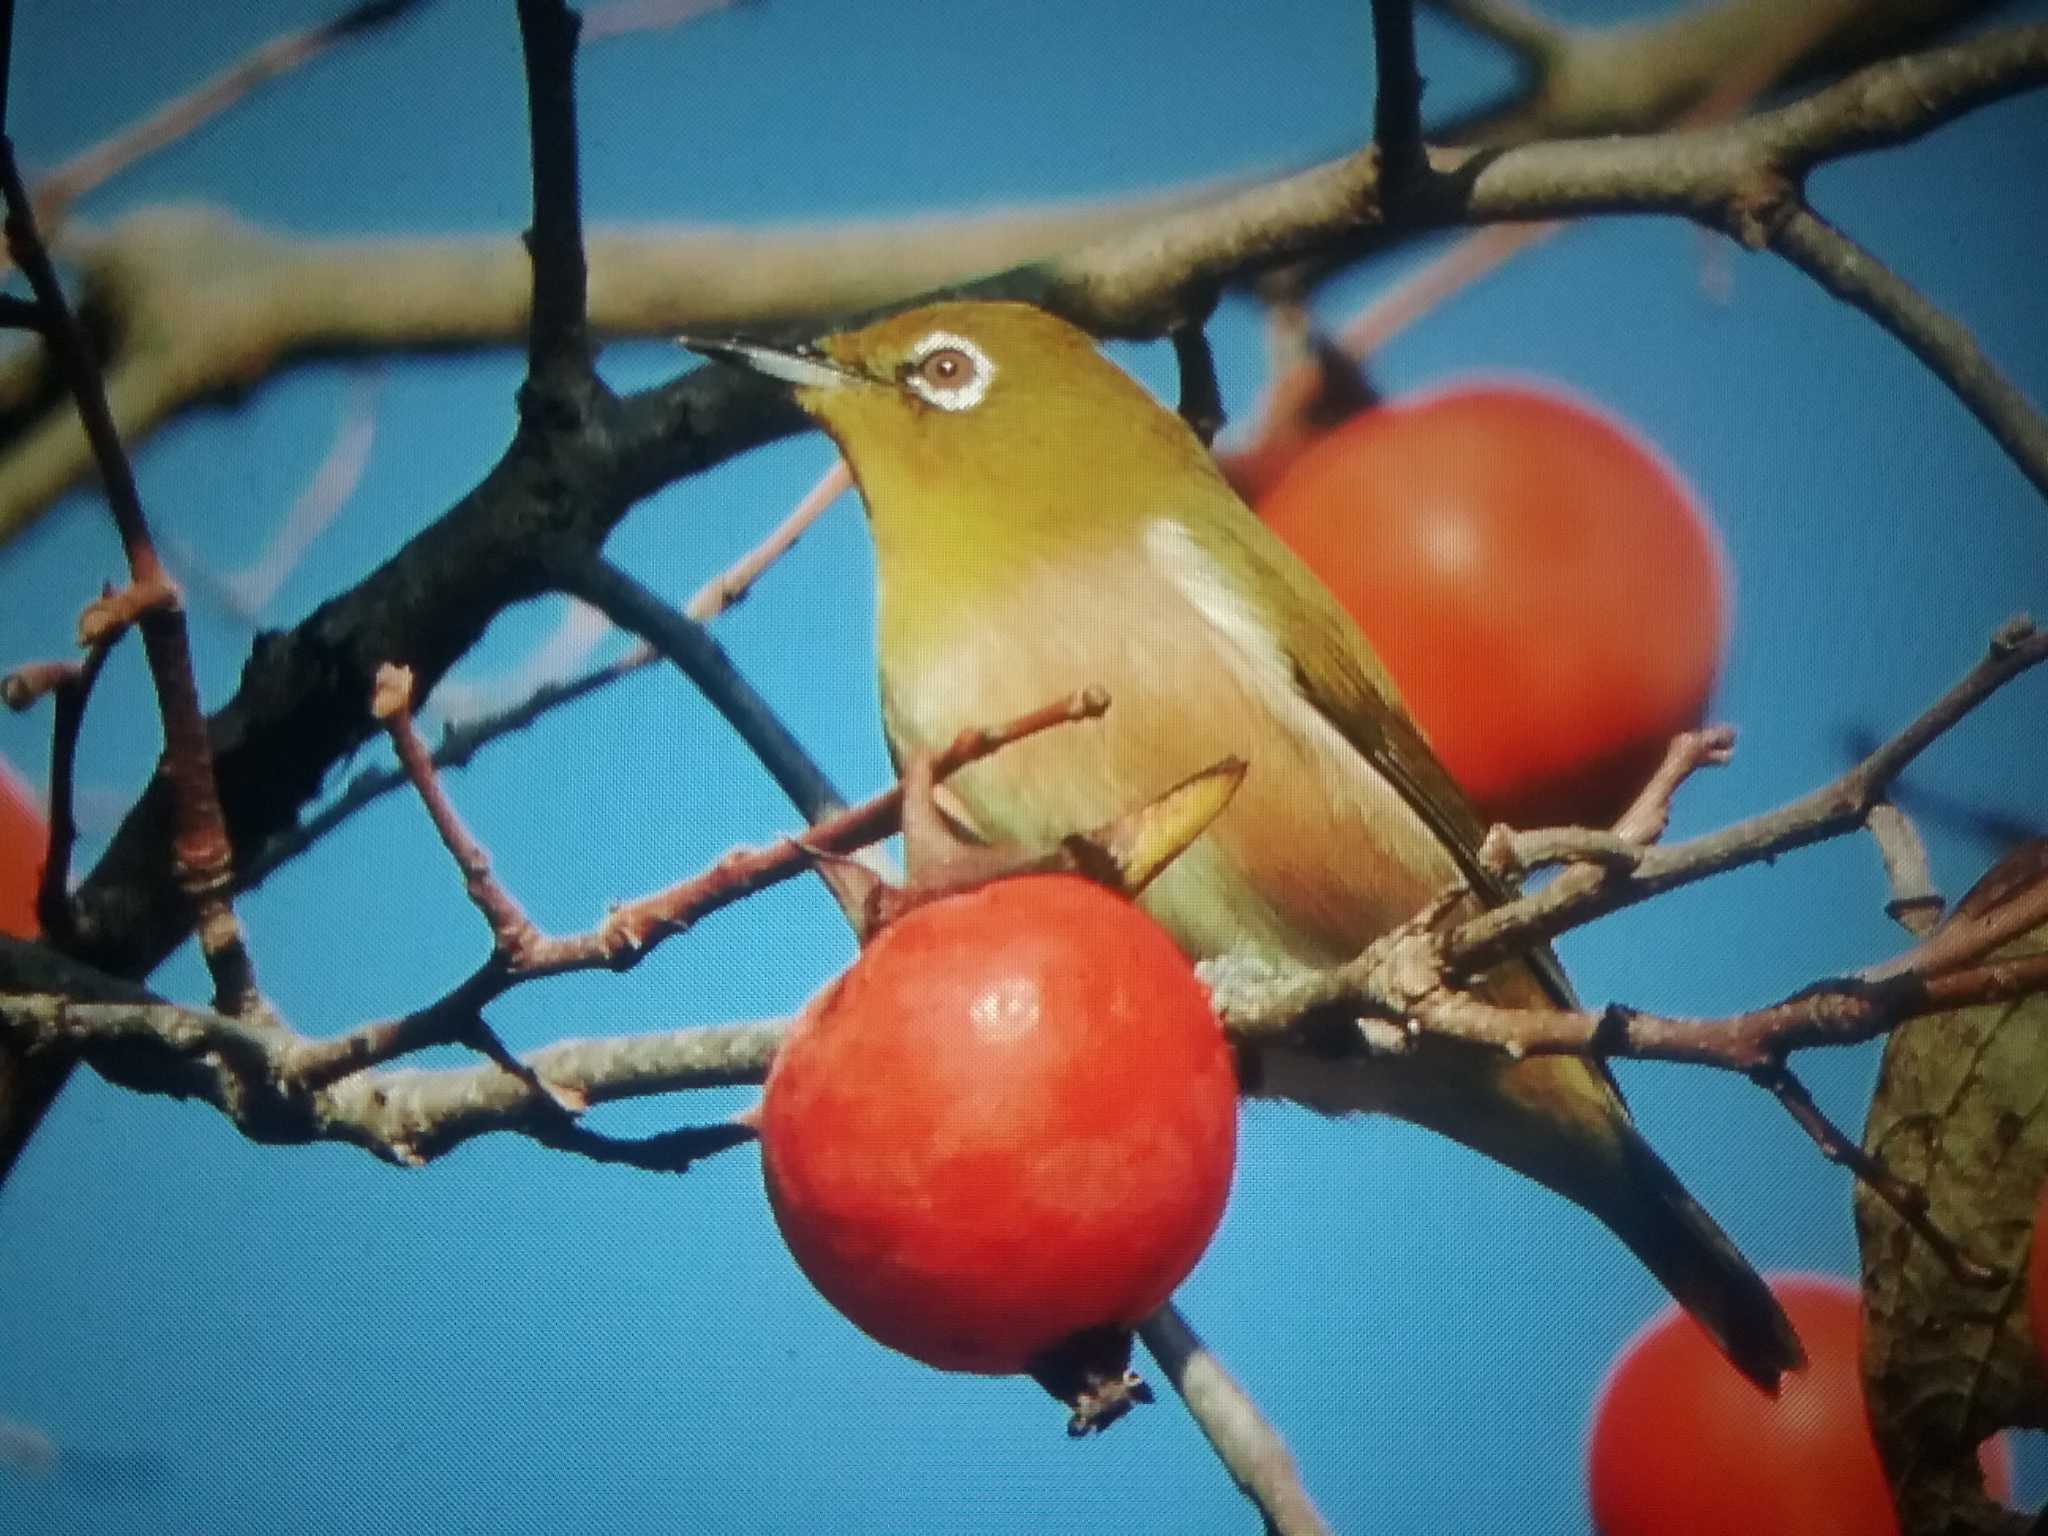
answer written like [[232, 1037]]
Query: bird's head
[[986, 418]]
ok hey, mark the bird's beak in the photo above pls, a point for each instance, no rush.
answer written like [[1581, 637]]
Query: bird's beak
[[803, 366]]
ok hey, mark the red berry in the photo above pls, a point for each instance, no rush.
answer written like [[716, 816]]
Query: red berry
[[1012, 1122], [1683, 1446], [1546, 592], [24, 840]]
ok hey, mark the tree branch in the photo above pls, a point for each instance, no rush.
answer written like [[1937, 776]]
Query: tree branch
[[223, 305], [202, 857], [1250, 1448], [1397, 103], [683, 641], [297, 711], [70, 694], [1853, 275], [1579, 895], [559, 361], [1645, 74], [1419, 976], [178, 118]]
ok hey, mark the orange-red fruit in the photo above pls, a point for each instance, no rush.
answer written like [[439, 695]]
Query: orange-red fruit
[[1546, 592], [24, 841], [1682, 1444], [1014, 1119]]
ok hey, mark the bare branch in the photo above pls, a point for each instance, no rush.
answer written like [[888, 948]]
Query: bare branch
[[730, 586], [463, 738], [1419, 976], [1397, 104], [634, 929], [1579, 895], [1857, 277], [1146, 270], [1915, 905], [511, 928], [619, 18], [182, 115], [1646, 73], [1907, 1203], [1973, 931], [53, 896], [1474, 256], [202, 858], [1646, 820], [1201, 397], [632, 607], [1249, 1447], [255, 1075], [559, 359], [246, 591], [1536, 38]]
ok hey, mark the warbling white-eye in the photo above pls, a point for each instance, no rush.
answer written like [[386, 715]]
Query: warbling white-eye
[[1042, 524]]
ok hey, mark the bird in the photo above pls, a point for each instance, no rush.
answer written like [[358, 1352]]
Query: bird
[[1041, 523]]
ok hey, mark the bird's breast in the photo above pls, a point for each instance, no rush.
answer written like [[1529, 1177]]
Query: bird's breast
[[1315, 856]]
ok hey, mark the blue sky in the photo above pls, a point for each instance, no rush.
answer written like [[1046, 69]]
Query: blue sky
[[515, 1341]]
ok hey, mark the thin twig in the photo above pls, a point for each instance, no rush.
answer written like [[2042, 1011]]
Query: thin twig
[[1914, 903], [459, 745], [1907, 1202], [676, 1151], [620, 18], [511, 929], [1418, 975], [1649, 816], [1471, 257], [262, 1076], [731, 585], [635, 609], [119, 609], [256, 1075], [202, 856], [1857, 277], [1525, 32], [1579, 895], [182, 115], [1250, 1448], [1970, 935], [1513, 854], [462, 739], [632, 930], [246, 591], [459, 1018], [53, 895]]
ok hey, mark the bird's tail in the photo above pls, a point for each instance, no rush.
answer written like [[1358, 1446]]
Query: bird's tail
[[1561, 1121], [1686, 1250]]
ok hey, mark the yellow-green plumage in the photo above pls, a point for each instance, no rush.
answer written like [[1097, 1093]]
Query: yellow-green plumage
[[1050, 527]]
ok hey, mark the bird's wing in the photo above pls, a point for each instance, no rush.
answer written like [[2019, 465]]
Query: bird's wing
[[1336, 672]]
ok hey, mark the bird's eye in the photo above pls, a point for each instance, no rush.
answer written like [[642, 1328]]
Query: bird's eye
[[947, 368], [948, 371]]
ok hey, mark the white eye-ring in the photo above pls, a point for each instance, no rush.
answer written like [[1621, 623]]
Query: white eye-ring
[[949, 371]]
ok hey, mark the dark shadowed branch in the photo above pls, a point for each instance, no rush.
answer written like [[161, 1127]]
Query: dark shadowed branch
[[703, 660], [558, 355], [1397, 102]]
